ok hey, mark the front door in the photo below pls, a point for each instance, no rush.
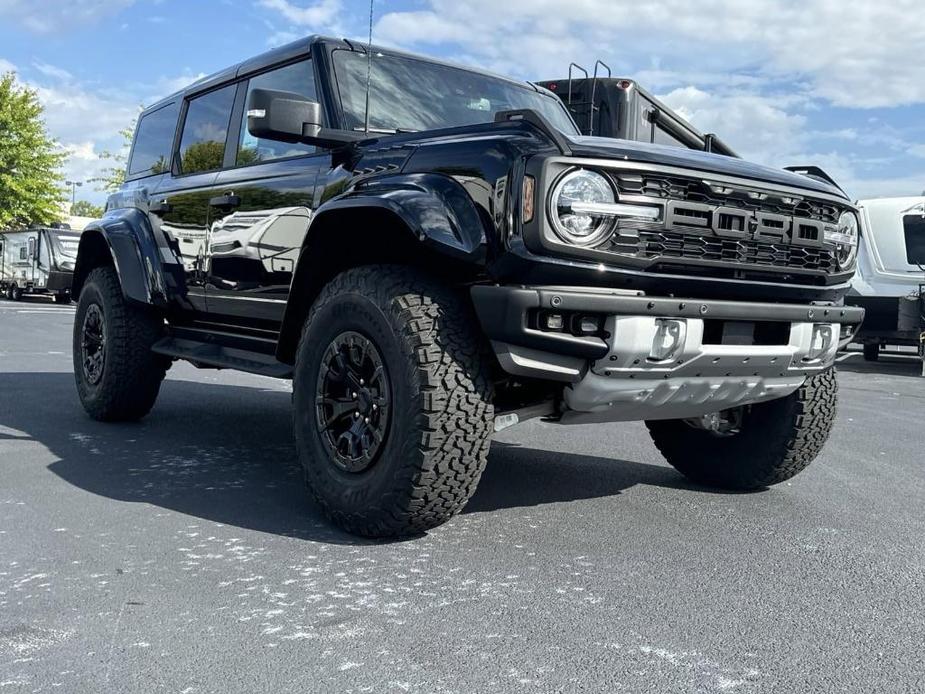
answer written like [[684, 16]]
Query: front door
[[261, 215]]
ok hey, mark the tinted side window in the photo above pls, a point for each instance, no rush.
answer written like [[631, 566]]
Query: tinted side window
[[298, 78], [153, 140], [202, 145], [914, 229]]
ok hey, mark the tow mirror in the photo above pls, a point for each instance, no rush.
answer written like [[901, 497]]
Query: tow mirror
[[291, 117]]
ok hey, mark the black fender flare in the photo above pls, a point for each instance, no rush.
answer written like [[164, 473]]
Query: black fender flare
[[436, 208], [431, 211], [128, 237]]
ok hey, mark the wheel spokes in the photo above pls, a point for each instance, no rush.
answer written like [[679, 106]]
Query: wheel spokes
[[352, 401]]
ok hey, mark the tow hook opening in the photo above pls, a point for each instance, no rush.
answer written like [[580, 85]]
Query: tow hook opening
[[820, 343], [668, 339]]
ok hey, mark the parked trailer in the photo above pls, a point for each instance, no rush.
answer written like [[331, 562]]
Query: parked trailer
[[38, 261], [890, 275]]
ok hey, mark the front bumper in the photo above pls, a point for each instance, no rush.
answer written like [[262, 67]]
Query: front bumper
[[611, 375]]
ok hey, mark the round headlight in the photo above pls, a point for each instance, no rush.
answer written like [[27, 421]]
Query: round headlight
[[846, 240], [580, 226]]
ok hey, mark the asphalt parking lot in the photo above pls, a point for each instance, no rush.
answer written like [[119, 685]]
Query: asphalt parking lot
[[180, 554]]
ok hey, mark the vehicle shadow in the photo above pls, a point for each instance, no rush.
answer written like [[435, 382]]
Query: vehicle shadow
[[30, 299], [891, 364], [225, 454]]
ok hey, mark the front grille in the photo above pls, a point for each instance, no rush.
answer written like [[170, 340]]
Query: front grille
[[669, 187], [674, 245], [723, 229]]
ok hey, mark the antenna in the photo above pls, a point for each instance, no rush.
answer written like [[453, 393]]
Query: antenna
[[369, 63]]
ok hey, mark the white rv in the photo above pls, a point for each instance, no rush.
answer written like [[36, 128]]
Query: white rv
[[890, 279], [38, 261]]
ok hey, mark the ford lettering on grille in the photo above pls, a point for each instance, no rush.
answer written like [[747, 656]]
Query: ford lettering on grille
[[738, 223]]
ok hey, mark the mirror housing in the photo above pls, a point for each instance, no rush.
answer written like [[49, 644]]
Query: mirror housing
[[290, 117]]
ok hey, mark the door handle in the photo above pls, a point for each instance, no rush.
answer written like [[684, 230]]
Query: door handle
[[160, 208], [226, 201]]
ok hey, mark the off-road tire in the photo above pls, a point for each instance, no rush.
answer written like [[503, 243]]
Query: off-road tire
[[777, 439], [871, 351], [438, 437], [132, 373]]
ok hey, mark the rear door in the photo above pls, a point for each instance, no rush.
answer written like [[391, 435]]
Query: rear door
[[186, 195], [257, 228]]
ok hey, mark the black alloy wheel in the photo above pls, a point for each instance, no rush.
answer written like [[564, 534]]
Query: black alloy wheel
[[93, 344], [352, 402]]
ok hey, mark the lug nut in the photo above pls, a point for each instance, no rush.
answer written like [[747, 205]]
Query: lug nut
[[354, 396], [366, 420], [361, 381]]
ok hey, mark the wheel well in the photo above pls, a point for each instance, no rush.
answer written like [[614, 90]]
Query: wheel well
[[349, 238], [92, 252]]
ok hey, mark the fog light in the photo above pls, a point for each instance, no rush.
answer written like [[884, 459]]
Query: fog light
[[821, 342], [554, 321], [668, 340]]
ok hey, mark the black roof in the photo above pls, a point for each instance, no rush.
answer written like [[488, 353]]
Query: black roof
[[303, 46]]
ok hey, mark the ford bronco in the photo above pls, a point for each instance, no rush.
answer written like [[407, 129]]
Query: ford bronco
[[433, 253]]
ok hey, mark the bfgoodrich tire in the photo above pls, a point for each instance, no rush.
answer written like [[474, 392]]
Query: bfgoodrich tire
[[118, 376], [774, 442], [392, 402]]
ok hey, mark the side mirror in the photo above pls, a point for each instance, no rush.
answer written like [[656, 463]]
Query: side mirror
[[290, 117]]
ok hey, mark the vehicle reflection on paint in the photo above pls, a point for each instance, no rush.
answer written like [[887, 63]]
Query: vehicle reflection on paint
[[247, 250]]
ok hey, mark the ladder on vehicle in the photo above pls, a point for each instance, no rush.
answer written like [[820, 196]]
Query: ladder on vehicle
[[581, 108]]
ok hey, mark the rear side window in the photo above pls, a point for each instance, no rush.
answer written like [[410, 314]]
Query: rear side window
[[298, 78], [153, 140], [202, 145]]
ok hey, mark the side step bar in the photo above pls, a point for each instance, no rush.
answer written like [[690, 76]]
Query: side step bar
[[221, 357]]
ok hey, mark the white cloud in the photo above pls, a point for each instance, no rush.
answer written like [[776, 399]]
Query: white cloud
[[50, 16], [52, 71], [854, 53], [6, 66], [84, 151], [317, 14], [756, 126]]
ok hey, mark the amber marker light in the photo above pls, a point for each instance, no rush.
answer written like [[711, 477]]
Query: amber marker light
[[528, 198]]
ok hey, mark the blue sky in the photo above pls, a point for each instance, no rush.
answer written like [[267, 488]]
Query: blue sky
[[838, 83]]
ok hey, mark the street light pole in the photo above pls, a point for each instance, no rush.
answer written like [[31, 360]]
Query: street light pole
[[73, 185]]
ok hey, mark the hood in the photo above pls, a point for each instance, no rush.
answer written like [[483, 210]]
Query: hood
[[612, 148]]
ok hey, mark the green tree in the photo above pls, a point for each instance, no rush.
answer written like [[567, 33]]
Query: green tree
[[30, 163], [113, 176], [84, 208]]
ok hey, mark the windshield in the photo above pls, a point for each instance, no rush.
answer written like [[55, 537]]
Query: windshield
[[410, 94]]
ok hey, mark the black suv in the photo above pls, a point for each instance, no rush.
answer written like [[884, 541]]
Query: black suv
[[434, 253]]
